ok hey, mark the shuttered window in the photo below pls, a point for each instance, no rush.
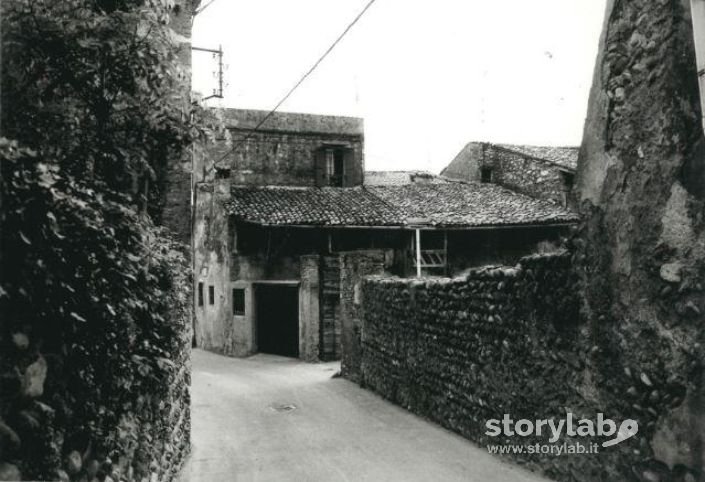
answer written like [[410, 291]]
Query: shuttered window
[[335, 166]]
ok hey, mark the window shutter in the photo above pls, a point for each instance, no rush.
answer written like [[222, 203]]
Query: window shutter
[[350, 169], [320, 167]]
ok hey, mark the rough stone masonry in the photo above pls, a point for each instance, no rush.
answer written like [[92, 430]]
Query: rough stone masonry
[[465, 350], [641, 248]]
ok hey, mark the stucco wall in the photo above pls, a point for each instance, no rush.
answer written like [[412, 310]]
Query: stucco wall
[[214, 327], [218, 264], [309, 308]]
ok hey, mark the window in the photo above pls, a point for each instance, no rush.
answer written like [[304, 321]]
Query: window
[[211, 295], [238, 301], [222, 173], [568, 181], [334, 167], [200, 294], [486, 174]]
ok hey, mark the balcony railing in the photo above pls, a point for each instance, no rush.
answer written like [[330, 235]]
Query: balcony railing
[[431, 258]]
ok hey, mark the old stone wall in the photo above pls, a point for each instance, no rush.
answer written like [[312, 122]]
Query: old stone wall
[[501, 340], [282, 151], [641, 248], [517, 171], [282, 158], [354, 266], [525, 174]]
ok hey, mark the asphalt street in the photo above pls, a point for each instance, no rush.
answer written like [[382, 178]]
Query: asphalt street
[[269, 418]]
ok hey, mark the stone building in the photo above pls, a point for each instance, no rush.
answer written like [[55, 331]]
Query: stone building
[[276, 208], [543, 172]]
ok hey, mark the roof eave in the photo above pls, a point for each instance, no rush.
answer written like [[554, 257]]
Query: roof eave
[[410, 227]]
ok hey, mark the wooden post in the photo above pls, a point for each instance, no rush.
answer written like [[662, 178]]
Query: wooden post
[[418, 253], [445, 249]]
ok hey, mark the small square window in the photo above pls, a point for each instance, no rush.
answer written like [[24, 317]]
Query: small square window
[[238, 301], [222, 173], [486, 174], [211, 294], [200, 294]]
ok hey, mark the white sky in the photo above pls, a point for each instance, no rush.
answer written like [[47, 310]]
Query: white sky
[[427, 76]]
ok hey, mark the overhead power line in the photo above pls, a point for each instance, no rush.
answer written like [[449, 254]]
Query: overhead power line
[[296, 86]]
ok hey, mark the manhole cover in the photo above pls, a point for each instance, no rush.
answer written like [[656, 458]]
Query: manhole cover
[[283, 407]]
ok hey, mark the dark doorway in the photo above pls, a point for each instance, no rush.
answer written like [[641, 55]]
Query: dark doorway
[[277, 319]]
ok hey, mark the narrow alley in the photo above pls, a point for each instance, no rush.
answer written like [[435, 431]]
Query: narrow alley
[[269, 418]]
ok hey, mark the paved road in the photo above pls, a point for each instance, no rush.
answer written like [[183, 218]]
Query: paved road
[[269, 418]]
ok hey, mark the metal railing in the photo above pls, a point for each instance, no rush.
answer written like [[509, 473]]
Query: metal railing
[[431, 258]]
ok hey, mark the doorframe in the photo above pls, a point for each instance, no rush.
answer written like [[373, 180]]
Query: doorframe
[[286, 283]]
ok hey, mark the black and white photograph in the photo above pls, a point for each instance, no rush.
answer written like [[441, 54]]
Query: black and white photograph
[[352, 240]]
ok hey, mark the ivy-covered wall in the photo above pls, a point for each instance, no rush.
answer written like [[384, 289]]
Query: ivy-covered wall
[[149, 442], [112, 410], [56, 424], [95, 334], [94, 297], [502, 340]]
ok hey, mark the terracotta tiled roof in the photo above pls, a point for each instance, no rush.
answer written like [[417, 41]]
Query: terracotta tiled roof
[[326, 206], [453, 204], [401, 178], [471, 204], [564, 156]]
